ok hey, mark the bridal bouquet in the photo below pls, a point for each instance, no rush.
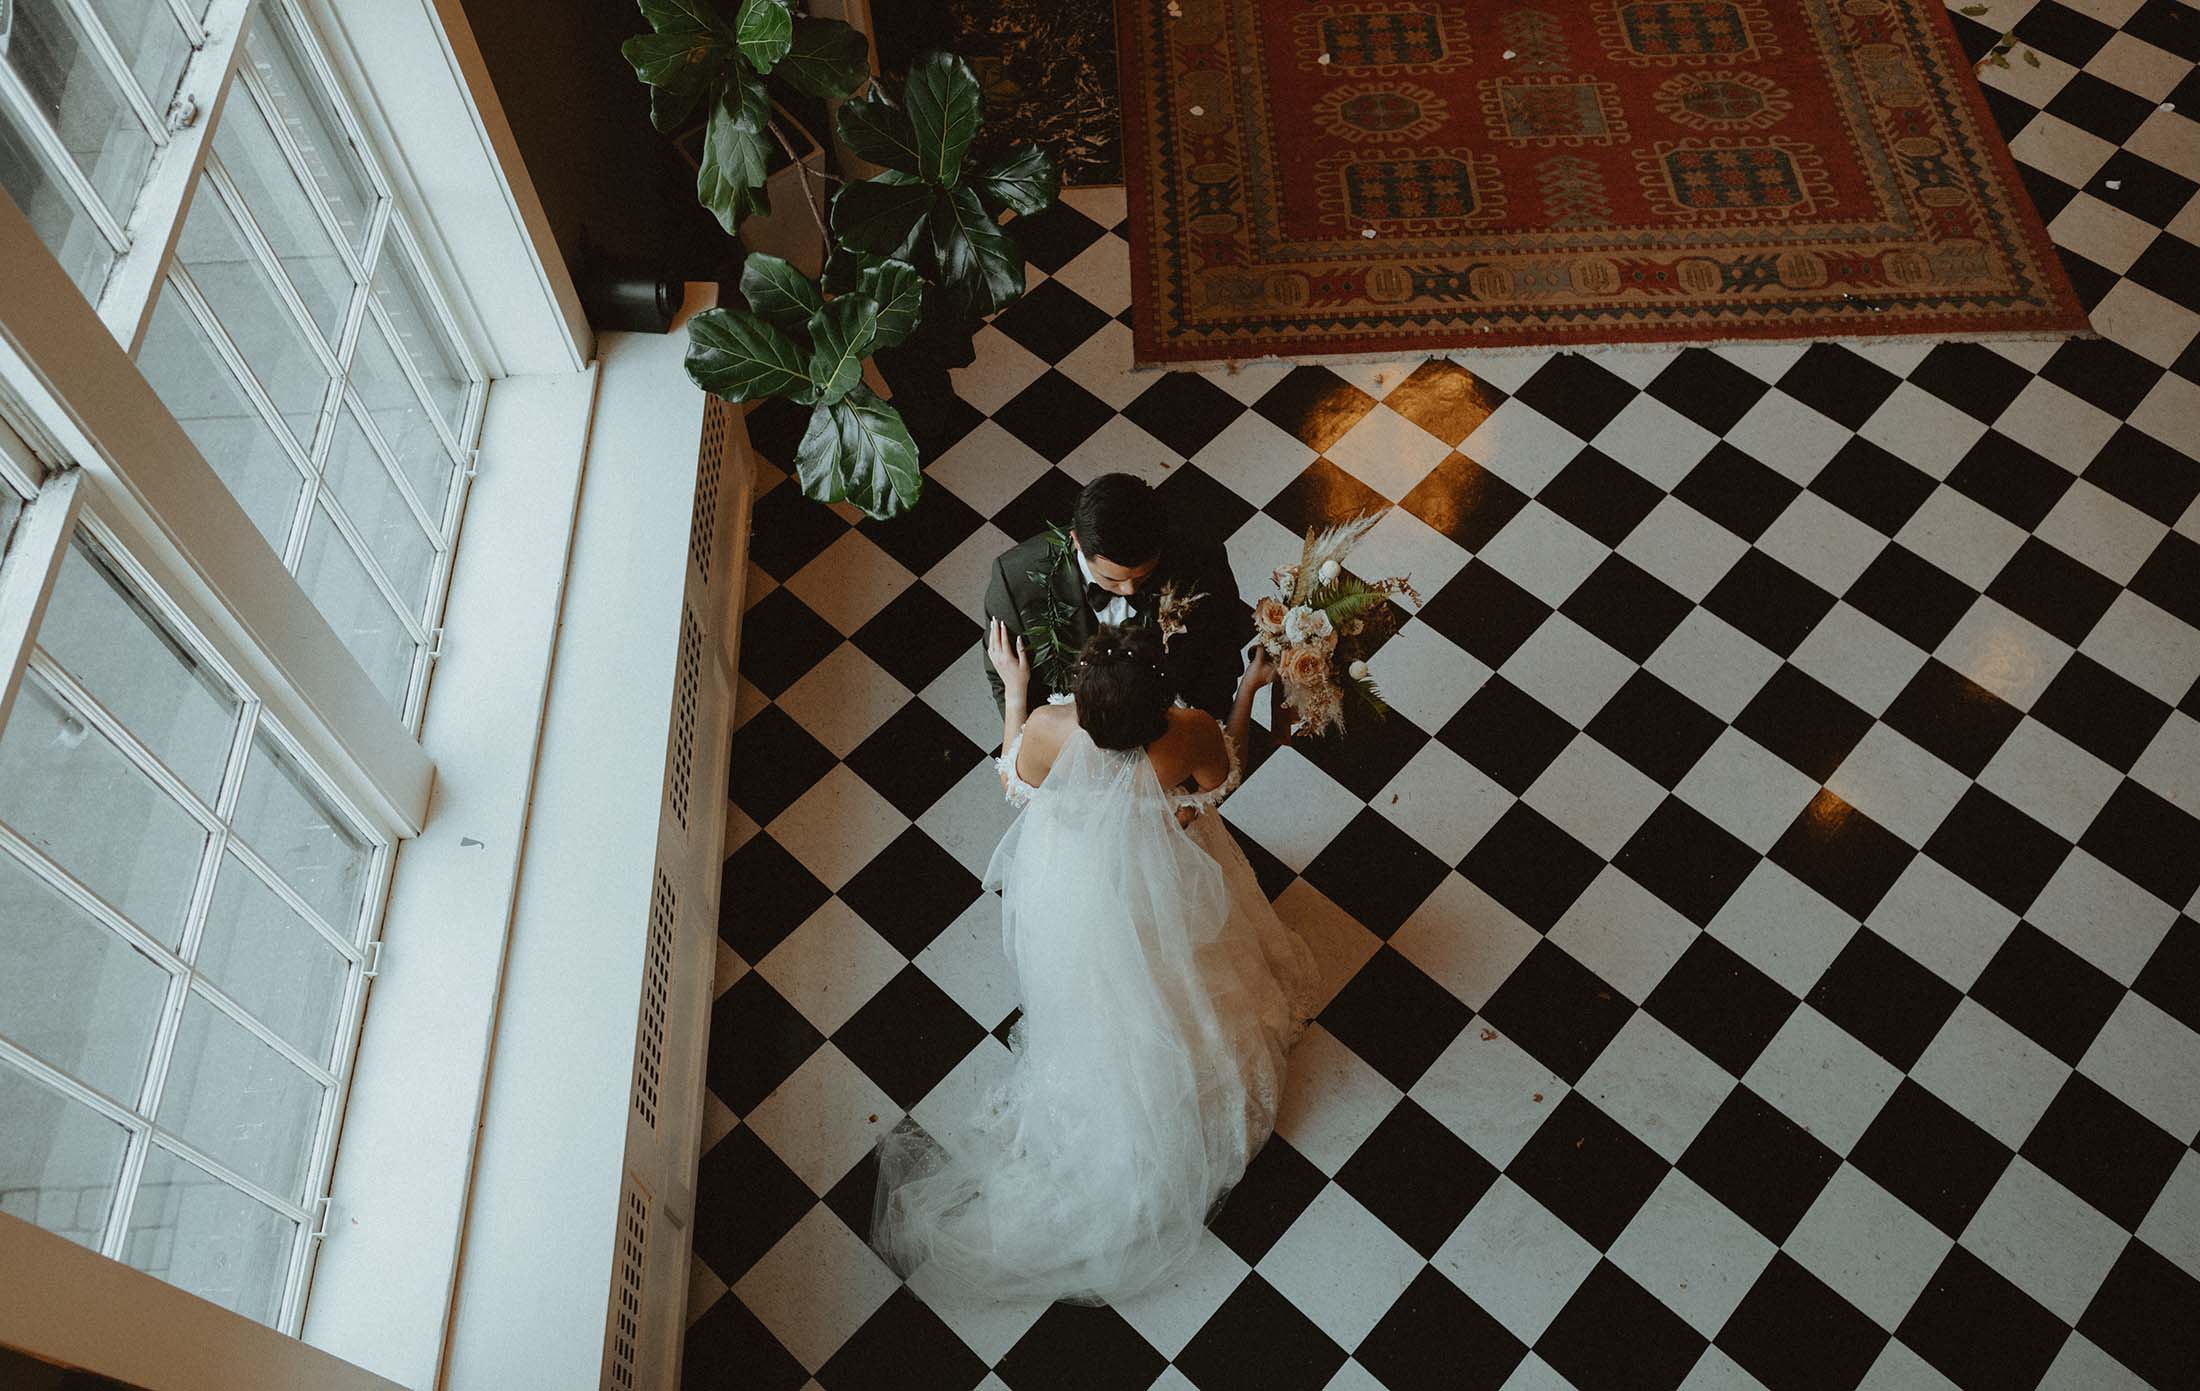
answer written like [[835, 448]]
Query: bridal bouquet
[[1319, 626]]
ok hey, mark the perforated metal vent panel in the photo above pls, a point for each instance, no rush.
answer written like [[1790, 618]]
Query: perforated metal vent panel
[[623, 1355], [649, 1042], [710, 466], [680, 778]]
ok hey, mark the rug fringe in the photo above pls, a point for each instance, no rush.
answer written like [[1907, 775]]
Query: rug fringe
[[1467, 356]]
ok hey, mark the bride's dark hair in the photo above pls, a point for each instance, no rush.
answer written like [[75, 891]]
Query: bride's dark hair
[[1123, 688]]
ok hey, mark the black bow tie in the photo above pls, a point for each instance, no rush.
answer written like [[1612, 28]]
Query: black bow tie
[[1098, 599]]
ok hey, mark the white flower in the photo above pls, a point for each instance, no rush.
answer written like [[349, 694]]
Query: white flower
[[1305, 624], [1061, 698], [1323, 60], [1358, 671], [1368, 232], [1329, 572]]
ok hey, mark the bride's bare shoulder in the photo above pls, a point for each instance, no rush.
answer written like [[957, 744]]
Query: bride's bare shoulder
[[1045, 731]]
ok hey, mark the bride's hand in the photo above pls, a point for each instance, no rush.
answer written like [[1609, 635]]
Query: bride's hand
[[1260, 670], [1006, 652]]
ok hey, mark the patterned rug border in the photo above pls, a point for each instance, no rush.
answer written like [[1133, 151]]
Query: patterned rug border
[[2069, 321]]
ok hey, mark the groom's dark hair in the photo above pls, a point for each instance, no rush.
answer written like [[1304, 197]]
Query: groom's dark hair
[[1118, 518], [1123, 688]]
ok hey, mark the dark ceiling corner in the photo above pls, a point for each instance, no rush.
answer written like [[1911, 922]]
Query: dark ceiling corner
[[608, 181]]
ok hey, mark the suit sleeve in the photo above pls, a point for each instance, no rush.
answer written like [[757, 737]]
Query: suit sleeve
[[1219, 630], [999, 605]]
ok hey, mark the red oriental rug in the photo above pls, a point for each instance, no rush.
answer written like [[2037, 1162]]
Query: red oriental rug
[[1348, 177]]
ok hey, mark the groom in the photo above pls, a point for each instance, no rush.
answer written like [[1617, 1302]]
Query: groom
[[1120, 562]]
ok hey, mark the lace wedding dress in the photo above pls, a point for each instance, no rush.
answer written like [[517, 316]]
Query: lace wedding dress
[[1160, 992]]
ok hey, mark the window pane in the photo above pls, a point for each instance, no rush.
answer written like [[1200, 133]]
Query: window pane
[[60, 221], [203, 394], [243, 297], [240, 1101], [279, 203], [273, 962], [99, 631], [72, 88], [151, 41], [282, 815], [277, 55], [398, 290], [72, 993], [72, 794], [191, 1229], [393, 534], [59, 1159], [344, 593], [401, 417]]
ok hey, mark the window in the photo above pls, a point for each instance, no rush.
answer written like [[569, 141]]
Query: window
[[184, 916], [291, 328], [189, 897]]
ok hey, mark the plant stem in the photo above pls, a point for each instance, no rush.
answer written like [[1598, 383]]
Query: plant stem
[[802, 175]]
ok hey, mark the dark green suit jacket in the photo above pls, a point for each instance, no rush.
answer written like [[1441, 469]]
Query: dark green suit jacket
[[1205, 659]]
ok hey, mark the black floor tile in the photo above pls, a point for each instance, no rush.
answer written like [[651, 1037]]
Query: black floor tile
[[1931, 1156], [908, 1036], [1769, 602], [1602, 497], [1278, 1185], [1848, 858], [1882, 996], [1838, 383], [775, 761], [903, 1347], [1436, 1339], [2141, 1316], [1708, 389], [1586, 1167], [914, 758], [1872, 485], [2062, 595], [1802, 721], [915, 638], [2049, 991], [1574, 391], [1558, 1010], [2149, 840], [1322, 496], [1793, 1333], [757, 1040], [1417, 1177], [1316, 405], [1184, 411], [1485, 613], [1507, 733], [1736, 491], [2005, 477], [1445, 399], [1076, 1347], [1053, 415], [764, 894], [1395, 1018], [1687, 859], [746, 1199], [1758, 1162], [1952, 717], [1998, 848], [1259, 1338], [911, 891], [1965, 1297], [1051, 319], [1911, 596], [728, 1335], [1614, 1334], [1656, 728], [1464, 501], [1531, 866], [1376, 873], [1728, 1009]]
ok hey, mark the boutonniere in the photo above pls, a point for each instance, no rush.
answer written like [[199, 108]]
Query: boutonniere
[[1173, 611], [1051, 655]]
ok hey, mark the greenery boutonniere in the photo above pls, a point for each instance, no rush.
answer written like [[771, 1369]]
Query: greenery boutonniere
[[1051, 654]]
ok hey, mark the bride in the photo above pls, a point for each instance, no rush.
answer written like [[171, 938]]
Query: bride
[[1160, 992]]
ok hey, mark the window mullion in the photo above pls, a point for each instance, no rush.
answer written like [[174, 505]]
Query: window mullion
[[295, 158], [126, 306], [300, 452], [48, 140], [27, 575], [348, 530], [118, 71], [430, 523]]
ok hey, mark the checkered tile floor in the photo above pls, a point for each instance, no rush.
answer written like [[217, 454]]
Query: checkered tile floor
[[1761, 947]]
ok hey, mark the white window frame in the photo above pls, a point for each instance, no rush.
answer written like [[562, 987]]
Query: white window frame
[[49, 527], [418, 87]]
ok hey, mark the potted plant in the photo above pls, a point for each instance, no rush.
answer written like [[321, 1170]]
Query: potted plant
[[922, 237]]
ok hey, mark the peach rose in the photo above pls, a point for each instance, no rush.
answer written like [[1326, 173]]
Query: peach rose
[[1304, 667], [1268, 615]]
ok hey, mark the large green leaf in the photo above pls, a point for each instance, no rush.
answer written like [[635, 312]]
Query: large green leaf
[[817, 465], [765, 31], [735, 355], [878, 132], [844, 268], [898, 291], [730, 180], [683, 16], [881, 215], [778, 293], [942, 97], [858, 450], [680, 68], [977, 261], [828, 58], [1025, 179], [840, 335]]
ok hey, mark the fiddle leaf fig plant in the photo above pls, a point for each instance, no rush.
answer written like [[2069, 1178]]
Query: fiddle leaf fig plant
[[924, 233], [694, 57], [792, 342], [930, 207]]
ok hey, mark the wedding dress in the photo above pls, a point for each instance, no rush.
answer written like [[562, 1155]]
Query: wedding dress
[[1160, 993]]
